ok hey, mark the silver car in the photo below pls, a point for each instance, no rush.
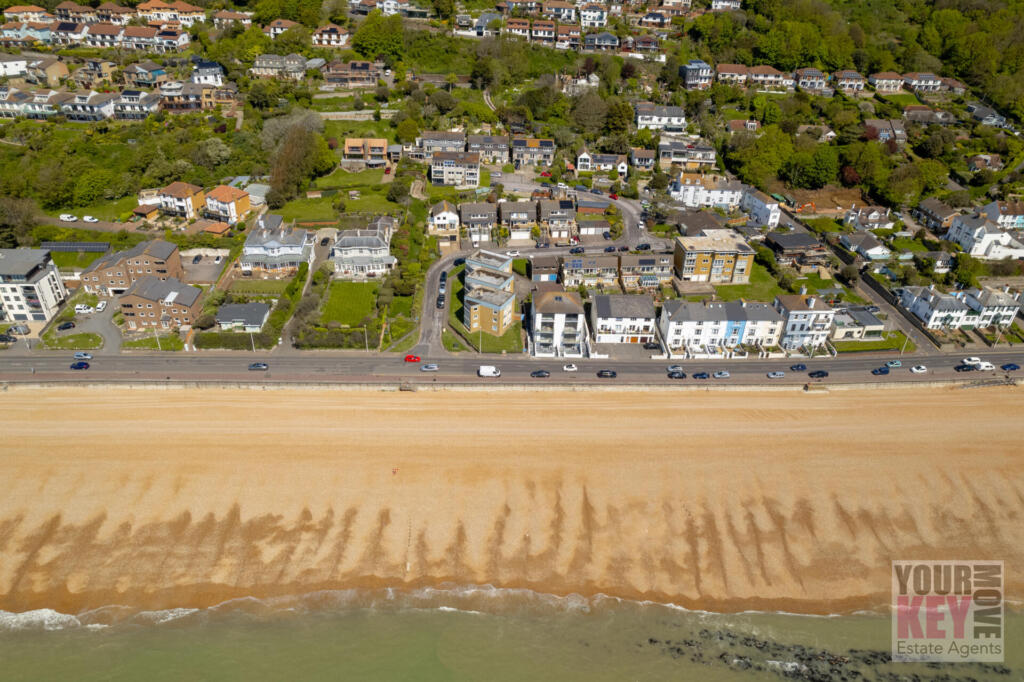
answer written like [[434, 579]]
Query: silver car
[[776, 375], [429, 368]]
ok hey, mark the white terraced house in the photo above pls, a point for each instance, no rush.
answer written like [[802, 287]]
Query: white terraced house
[[937, 310], [657, 117], [623, 318], [982, 238], [991, 307], [593, 16], [809, 321], [710, 327]]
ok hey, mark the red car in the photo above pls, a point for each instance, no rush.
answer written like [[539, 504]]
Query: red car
[[614, 196], [412, 358], [387, 171], [545, 174]]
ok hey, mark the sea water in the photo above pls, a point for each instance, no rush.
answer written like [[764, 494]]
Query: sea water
[[467, 633]]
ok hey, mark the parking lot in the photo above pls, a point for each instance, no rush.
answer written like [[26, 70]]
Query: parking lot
[[205, 271]]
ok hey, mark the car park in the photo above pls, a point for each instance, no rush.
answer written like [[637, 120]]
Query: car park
[[799, 367], [676, 375], [1010, 367], [893, 363], [429, 368], [701, 375], [776, 375], [721, 375], [64, 326], [540, 374], [964, 368], [569, 368], [818, 374], [607, 374], [412, 358], [259, 367], [880, 371], [83, 356], [90, 219], [918, 369], [68, 218], [82, 309], [577, 250], [79, 365], [196, 259]]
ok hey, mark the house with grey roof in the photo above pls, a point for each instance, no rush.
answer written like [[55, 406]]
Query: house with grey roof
[[622, 318], [558, 324], [273, 249], [153, 303], [114, 273], [865, 244], [359, 254], [479, 219], [991, 307], [856, 323], [935, 309], [717, 327], [242, 317]]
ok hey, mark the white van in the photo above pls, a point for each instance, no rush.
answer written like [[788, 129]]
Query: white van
[[488, 371], [82, 309], [984, 367]]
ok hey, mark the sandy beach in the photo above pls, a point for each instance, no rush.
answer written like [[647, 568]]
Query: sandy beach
[[722, 501]]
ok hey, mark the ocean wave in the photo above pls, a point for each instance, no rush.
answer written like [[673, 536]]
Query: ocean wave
[[38, 619], [162, 616]]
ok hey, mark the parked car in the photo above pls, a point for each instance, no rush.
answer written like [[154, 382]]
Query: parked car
[[64, 326], [7, 338], [569, 368], [19, 329], [440, 301], [259, 367], [444, 275], [443, 288], [68, 218], [606, 234], [543, 245], [893, 363], [577, 249], [83, 356], [818, 374], [540, 374], [459, 261], [196, 259], [101, 306], [652, 345], [776, 375], [90, 219], [217, 259], [82, 309], [701, 375], [325, 241], [607, 374], [623, 248], [387, 171], [964, 368], [1010, 367], [722, 375], [643, 247], [880, 371], [799, 367], [79, 365], [609, 249], [918, 369], [613, 196], [429, 368], [596, 191], [545, 174], [512, 254], [676, 375], [412, 358]]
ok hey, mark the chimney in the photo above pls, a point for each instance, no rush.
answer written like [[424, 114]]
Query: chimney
[[803, 290], [931, 287], [1006, 289]]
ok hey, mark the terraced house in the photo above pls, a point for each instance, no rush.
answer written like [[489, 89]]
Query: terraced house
[[533, 151], [458, 169], [622, 319], [590, 271], [491, 148], [645, 270], [114, 273], [712, 327]]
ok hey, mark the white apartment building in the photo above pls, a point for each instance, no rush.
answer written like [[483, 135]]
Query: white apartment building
[[808, 321], [558, 325], [991, 307], [763, 210], [982, 238], [706, 191], [622, 318], [30, 285], [712, 326]]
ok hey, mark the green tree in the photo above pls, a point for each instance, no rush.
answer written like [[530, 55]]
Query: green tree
[[407, 131], [619, 117], [379, 37], [589, 112]]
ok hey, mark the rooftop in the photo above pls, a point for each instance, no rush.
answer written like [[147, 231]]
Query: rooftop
[[621, 305], [170, 289]]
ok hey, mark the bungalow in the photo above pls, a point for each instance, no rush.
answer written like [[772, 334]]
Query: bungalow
[[242, 317], [479, 220], [935, 309], [820, 133], [735, 74], [593, 16], [622, 319], [869, 218], [181, 199], [330, 35], [359, 254], [491, 148], [652, 116], [886, 82], [922, 82], [443, 222], [865, 244], [848, 81], [645, 270], [857, 323], [766, 77], [271, 249], [533, 151], [601, 42], [227, 204]]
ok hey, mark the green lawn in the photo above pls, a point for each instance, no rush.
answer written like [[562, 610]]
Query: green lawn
[[342, 179], [903, 99], [451, 342], [905, 244], [167, 342], [259, 287], [343, 129], [893, 341], [762, 287], [106, 210], [815, 283], [511, 341], [85, 341], [68, 260], [350, 302], [822, 225], [401, 305], [309, 209]]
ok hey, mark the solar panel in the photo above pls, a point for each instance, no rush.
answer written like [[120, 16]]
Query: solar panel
[[88, 247]]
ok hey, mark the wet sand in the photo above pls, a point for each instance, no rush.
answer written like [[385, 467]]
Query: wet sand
[[722, 501]]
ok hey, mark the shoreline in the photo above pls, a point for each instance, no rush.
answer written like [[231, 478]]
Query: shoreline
[[726, 501]]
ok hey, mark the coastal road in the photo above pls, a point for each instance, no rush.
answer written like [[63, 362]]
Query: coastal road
[[391, 369]]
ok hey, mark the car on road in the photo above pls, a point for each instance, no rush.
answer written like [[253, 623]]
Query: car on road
[[440, 301], [444, 275], [893, 363], [606, 234], [776, 375], [488, 371], [677, 375], [674, 368], [64, 326], [1010, 367], [722, 375], [818, 374], [964, 368], [577, 249], [545, 174], [985, 367], [918, 369], [83, 356], [643, 247], [68, 218], [429, 368], [540, 374], [90, 219], [701, 375], [412, 358], [543, 245], [79, 365], [596, 191], [972, 361], [799, 367], [512, 254], [607, 374], [259, 367], [325, 241], [609, 249], [578, 188], [873, 309], [7, 338], [196, 259], [613, 196], [880, 371], [623, 248], [570, 368]]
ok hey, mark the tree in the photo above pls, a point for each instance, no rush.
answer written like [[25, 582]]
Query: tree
[[407, 131], [443, 101], [968, 269], [17, 217], [619, 118], [589, 112], [379, 37]]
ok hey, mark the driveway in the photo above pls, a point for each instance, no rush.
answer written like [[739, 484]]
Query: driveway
[[102, 324]]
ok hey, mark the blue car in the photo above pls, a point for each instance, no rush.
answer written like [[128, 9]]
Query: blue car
[[701, 375], [880, 371], [894, 363], [798, 367], [80, 365], [1010, 367]]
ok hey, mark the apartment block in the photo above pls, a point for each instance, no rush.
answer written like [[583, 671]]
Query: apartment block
[[30, 285], [115, 273], [720, 259]]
